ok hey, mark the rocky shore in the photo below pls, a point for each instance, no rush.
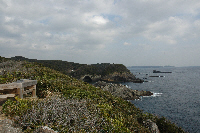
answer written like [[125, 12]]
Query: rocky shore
[[115, 77], [121, 77], [121, 90]]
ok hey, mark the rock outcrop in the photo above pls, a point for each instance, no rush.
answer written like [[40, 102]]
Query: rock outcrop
[[8, 126], [151, 126], [121, 77], [44, 129], [122, 91], [90, 78], [112, 78]]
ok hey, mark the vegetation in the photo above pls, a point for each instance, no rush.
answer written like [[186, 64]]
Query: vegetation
[[66, 104], [77, 70]]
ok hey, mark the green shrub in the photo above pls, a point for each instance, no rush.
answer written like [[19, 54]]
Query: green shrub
[[63, 115], [16, 108], [165, 126]]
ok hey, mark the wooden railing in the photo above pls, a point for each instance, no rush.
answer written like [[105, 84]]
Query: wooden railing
[[20, 87]]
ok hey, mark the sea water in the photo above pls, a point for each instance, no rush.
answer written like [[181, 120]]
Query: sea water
[[176, 95]]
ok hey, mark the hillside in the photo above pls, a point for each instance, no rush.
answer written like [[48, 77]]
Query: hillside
[[74, 106], [77, 70]]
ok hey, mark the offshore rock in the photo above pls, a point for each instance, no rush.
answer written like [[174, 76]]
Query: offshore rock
[[138, 80], [122, 91]]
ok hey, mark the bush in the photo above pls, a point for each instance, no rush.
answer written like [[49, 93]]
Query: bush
[[16, 108], [165, 126], [62, 115]]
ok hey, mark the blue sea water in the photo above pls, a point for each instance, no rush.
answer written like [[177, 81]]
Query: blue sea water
[[176, 95]]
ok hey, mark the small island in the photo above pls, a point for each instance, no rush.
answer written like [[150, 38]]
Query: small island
[[155, 71]]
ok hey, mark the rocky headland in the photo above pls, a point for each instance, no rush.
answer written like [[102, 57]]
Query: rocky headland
[[116, 77], [122, 91], [89, 73], [121, 77]]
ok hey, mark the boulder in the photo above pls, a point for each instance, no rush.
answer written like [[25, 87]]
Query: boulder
[[90, 78], [151, 126], [44, 129], [143, 93], [8, 126], [87, 79]]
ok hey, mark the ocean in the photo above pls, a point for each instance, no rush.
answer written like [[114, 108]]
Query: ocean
[[176, 95]]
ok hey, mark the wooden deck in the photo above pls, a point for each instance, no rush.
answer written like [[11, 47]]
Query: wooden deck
[[20, 87]]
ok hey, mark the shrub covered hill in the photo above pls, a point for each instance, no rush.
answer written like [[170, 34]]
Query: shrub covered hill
[[66, 104], [104, 71]]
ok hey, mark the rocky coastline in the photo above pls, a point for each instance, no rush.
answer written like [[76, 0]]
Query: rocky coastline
[[121, 77], [124, 116], [122, 91], [115, 77]]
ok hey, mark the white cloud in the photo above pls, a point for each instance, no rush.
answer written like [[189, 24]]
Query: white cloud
[[145, 47], [169, 30], [125, 43], [197, 24], [12, 28], [47, 34], [7, 41], [8, 19], [98, 20]]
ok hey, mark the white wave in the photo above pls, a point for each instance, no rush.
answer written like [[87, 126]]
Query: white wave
[[128, 86], [156, 94], [150, 81]]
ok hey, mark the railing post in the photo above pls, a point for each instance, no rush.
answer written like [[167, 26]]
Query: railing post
[[18, 91], [34, 91], [21, 92]]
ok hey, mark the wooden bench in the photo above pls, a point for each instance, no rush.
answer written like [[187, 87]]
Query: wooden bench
[[7, 96], [20, 87]]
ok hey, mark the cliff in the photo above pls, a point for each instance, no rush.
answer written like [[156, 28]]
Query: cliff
[[121, 77], [89, 73], [78, 70]]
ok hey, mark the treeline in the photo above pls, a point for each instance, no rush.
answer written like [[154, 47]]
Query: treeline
[[3, 59]]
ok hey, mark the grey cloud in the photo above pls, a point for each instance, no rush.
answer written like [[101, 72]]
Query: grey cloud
[[75, 30]]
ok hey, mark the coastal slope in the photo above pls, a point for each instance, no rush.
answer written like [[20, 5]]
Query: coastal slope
[[100, 110], [90, 73]]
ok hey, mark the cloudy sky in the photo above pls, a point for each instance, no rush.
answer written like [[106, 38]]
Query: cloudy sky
[[129, 32]]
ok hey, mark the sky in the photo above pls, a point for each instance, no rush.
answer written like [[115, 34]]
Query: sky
[[129, 32]]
